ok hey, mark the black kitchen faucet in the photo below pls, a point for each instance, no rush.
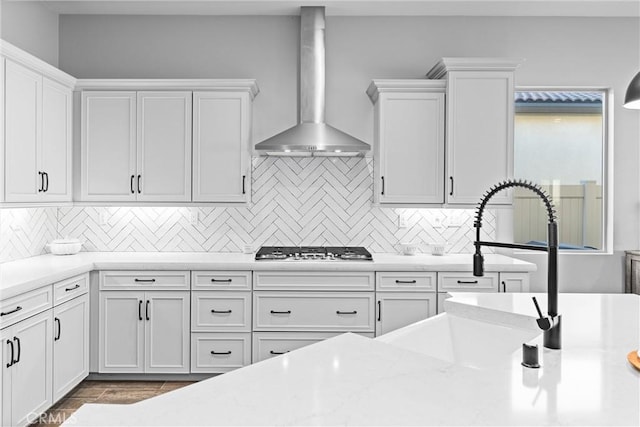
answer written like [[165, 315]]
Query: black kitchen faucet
[[551, 324]]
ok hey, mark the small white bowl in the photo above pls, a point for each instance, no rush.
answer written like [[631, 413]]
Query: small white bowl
[[65, 246]]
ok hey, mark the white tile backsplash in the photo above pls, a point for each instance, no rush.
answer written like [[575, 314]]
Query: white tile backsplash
[[295, 201], [25, 231]]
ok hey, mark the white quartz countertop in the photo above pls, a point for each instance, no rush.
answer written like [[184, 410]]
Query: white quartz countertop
[[353, 380], [30, 273]]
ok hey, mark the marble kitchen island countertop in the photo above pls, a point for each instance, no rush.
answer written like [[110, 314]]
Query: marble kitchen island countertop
[[353, 380], [24, 275]]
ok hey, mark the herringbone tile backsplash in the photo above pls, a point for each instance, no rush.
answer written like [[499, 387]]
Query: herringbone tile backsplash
[[295, 201]]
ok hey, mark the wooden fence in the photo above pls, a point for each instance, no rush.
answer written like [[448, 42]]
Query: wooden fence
[[579, 210]]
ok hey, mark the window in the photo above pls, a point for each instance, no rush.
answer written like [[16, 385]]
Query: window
[[560, 144]]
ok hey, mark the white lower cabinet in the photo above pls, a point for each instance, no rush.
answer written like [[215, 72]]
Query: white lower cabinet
[[271, 344], [70, 345], [27, 362], [220, 321], [219, 352], [313, 311], [144, 332], [398, 309], [514, 282], [403, 298]]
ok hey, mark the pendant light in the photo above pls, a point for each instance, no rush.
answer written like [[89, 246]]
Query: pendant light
[[632, 98]]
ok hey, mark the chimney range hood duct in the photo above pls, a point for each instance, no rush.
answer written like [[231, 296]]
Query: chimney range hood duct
[[312, 136]]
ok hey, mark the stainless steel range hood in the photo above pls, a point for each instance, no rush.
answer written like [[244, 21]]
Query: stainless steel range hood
[[312, 136]]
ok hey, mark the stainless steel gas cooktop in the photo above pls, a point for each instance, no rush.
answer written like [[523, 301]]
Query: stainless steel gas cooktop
[[313, 253]]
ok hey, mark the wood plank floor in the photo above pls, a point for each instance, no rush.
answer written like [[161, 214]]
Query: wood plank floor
[[104, 392]]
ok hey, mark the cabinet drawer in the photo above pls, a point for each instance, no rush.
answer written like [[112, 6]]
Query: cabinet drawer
[[221, 280], [211, 352], [313, 280], [144, 280], [405, 281], [461, 282], [70, 288], [15, 309], [221, 311], [271, 344], [313, 311]]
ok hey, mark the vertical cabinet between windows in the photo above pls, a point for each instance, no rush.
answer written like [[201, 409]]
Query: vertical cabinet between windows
[[479, 128], [144, 322], [136, 146], [409, 141], [37, 131], [175, 141]]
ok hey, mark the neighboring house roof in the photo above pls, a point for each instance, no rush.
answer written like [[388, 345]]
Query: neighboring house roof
[[558, 97]]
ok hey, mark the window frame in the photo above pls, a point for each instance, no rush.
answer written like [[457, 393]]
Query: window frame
[[607, 165]]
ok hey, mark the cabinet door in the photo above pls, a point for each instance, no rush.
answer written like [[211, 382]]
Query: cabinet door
[[31, 372], [396, 310], [70, 345], [514, 282], [55, 156], [221, 157], [108, 127], [121, 337], [167, 332], [23, 119], [411, 144], [480, 110], [164, 146]]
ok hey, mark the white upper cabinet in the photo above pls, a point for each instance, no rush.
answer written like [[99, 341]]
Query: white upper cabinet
[[136, 146], [55, 153], [480, 114], [409, 141], [23, 133], [153, 140], [164, 146], [37, 114], [109, 146], [221, 150]]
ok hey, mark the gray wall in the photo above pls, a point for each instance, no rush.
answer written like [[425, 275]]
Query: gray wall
[[558, 51], [31, 27]]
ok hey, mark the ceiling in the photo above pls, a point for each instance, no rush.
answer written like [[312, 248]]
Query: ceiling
[[594, 8]]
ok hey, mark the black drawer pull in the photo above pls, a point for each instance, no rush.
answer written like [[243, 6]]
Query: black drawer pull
[[221, 311], [41, 183], [11, 360], [144, 280], [379, 310], [451, 190], [221, 280], [280, 312], [139, 186], [17, 340], [346, 312], [278, 352], [467, 282], [220, 352], [243, 180], [146, 310], [56, 320], [46, 187], [15, 310], [131, 183], [382, 192], [406, 281], [140, 309], [504, 286], [72, 288]]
